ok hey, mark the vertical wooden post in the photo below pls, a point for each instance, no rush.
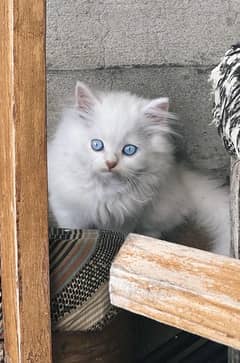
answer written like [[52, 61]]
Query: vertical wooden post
[[234, 202], [23, 182], [233, 354]]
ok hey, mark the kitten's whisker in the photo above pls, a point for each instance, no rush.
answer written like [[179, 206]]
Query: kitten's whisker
[[141, 191]]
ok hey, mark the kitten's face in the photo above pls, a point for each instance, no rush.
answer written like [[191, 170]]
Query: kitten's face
[[112, 154], [123, 135]]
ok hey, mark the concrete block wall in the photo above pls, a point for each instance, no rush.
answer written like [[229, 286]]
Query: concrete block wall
[[150, 47]]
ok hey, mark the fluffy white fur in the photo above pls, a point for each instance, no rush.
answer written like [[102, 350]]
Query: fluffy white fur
[[148, 192]]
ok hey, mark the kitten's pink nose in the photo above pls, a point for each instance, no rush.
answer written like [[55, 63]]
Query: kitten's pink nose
[[111, 164]]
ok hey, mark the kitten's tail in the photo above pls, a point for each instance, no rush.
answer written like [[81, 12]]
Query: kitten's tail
[[211, 203]]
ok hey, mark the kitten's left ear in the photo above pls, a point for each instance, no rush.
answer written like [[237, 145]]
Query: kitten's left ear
[[84, 98], [157, 108]]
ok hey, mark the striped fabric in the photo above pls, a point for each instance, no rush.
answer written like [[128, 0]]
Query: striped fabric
[[80, 262], [225, 80]]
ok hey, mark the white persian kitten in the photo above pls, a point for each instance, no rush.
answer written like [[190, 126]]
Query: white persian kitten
[[111, 165]]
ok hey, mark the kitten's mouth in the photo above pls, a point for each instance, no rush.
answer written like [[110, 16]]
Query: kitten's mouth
[[109, 171], [114, 174]]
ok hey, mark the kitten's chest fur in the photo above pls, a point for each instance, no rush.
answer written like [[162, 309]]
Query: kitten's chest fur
[[113, 209], [126, 210]]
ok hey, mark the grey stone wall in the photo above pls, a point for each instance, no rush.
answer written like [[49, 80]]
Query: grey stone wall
[[150, 47]]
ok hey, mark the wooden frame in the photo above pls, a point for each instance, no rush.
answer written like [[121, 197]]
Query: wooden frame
[[193, 290], [23, 182], [233, 354], [187, 288]]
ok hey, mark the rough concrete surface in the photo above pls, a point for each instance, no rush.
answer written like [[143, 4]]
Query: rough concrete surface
[[189, 94], [103, 33]]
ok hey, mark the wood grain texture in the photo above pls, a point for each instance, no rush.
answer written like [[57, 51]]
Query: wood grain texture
[[233, 354], [234, 201], [23, 182], [190, 289]]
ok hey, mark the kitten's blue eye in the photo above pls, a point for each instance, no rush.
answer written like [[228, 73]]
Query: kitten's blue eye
[[129, 149], [97, 145]]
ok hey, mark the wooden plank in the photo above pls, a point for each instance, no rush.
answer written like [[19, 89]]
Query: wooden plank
[[234, 355], [190, 289], [234, 201], [23, 182]]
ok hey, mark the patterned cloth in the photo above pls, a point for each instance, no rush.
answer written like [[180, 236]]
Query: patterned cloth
[[225, 80], [80, 262]]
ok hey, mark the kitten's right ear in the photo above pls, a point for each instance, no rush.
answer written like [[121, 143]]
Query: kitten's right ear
[[84, 98], [157, 109]]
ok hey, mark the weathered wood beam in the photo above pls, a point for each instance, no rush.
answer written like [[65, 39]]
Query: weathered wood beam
[[234, 199], [190, 289], [23, 182], [234, 355]]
